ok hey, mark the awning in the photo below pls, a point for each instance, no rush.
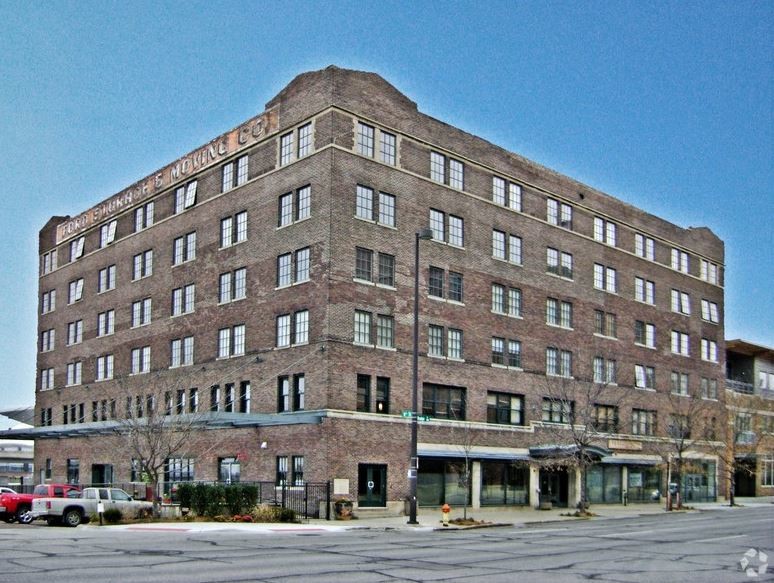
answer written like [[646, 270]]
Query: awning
[[457, 453], [631, 460], [559, 451]]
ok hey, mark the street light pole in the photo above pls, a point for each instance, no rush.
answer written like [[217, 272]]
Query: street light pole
[[425, 234]]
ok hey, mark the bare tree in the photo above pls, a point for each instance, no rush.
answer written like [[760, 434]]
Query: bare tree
[[465, 439]]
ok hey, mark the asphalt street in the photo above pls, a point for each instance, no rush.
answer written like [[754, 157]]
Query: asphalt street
[[706, 546]]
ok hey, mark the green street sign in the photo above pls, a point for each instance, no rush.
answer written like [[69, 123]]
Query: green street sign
[[406, 413]]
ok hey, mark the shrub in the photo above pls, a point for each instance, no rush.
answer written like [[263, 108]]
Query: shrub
[[234, 498], [112, 515], [266, 513], [185, 493], [249, 496], [200, 498], [215, 497]]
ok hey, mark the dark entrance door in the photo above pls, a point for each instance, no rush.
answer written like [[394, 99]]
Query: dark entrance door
[[101, 474], [554, 486], [371, 485], [744, 478]]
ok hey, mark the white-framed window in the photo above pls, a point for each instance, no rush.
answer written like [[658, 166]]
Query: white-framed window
[[233, 229], [438, 167], [709, 388], [558, 213], [106, 279], [141, 312], [383, 335], [559, 263], [365, 139], [506, 193], [680, 302], [709, 350], [708, 271], [48, 302], [379, 209], [48, 262], [437, 284], [643, 422], [447, 228], [305, 140], [289, 151], [183, 299], [293, 267], [605, 370], [185, 196], [142, 265], [362, 328], [679, 383], [680, 260], [447, 170], [767, 470], [234, 173], [46, 379], [286, 148], [605, 324], [184, 248], [644, 290], [140, 360], [605, 278], [382, 272], [75, 291], [558, 313], [107, 233], [74, 332], [506, 300], [232, 285], [76, 248], [709, 311], [644, 334], [557, 410], [181, 351], [106, 323], [294, 206], [293, 329], [506, 247], [558, 362], [605, 231], [644, 247], [48, 340], [445, 342], [680, 343], [506, 352], [456, 174], [644, 377], [231, 341], [144, 215], [388, 147], [104, 367], [74, 373]]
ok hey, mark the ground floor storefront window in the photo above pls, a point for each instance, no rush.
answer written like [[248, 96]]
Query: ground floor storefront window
[[643, 484], [603, 484], [698, 481], [504, 483], [441, 481]]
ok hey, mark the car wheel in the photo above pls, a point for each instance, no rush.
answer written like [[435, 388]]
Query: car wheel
[[72, 517], [24, 516]]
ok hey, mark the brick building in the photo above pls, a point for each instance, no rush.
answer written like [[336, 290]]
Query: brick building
[[264, 282]]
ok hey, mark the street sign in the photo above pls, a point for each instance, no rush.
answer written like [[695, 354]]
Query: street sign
[[423, 417], [406, 413]]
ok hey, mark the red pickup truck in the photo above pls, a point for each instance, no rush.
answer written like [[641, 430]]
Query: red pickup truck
[[17, 506]]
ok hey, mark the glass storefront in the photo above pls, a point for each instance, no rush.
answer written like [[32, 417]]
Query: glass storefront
[[443, 481], [699, 482], [504, 483], [603, 484], [644, 484], [440, 481]]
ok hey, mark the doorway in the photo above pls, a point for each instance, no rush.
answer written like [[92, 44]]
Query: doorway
[[554, 486], [102, 474], [744, 478], [371, 485]]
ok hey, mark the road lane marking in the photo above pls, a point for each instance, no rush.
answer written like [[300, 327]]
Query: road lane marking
[[723, 538]]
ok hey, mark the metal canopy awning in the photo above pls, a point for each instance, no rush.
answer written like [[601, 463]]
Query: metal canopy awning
[[477, 455], [555, 450], [630, 461]]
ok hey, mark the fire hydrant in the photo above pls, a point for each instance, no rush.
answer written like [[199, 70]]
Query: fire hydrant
[[445, 509]]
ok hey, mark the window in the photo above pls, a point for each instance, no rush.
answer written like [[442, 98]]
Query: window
[[232, 285], [451, 231], [365, 140], [293, 267], [181, 352], [605, 278], [234, 174], [438, 170], [456, 174], [605, 324], [75, 332], [643, 422], [73, 471], [558, 362], [767, 470], [385, 329], [46, 417], [644, 247], [559, 263], [231, 341], [293, 329], [233, 229], [504, 408], [75, 291], [363, 393], [294, 206], [506, 300], [557, 410], [46, 379], [680, 343], [644, 291], [678, 383], [141, 312], [364, 267], [709, 388], [229, 470], [48, 302], [362, 327], [708, 271], [183, 300], [142, 264], [184, 248], [179, 470], [305, 140], [141, 360], [506, 193], [244, 397], [438, 167], [644, 334], [48, 262], [76, 248], [506, 352], [185, 197], [444, 402], [143, 216], [604, 231], [47, 340], [380, 210], [106, 279], [680, 260], [605, 370], [445, 342], [387, 148], [286, 148], [291, 393], [436, 284], [709, 311], [681, 302], [606, 418], [104, 367], [107, 233], [709, 350], [506, 247], [559, 214], [215, 398], [644, 377], [74, 370], [558, 313], [382, 395]]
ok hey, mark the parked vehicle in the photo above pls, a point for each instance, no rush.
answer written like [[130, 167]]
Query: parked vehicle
[[15, 506], [74, 511], [4, 490]]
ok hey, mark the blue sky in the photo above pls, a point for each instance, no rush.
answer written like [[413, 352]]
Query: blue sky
[[665, 105]]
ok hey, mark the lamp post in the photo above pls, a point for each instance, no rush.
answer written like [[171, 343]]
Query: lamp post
[[424, 234]]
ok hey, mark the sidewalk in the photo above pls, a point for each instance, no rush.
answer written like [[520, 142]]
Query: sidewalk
[[430, 519]]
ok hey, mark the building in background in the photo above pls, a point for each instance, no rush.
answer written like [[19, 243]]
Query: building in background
[[16, 455], [264, 284]]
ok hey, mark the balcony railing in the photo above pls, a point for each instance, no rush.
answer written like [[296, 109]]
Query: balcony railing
[[740, 386]]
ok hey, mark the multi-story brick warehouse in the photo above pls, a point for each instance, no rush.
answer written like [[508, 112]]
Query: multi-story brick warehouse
[[265, 282]]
